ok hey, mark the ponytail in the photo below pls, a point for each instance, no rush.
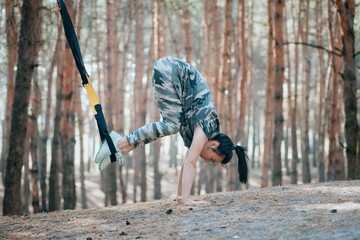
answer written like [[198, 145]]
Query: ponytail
[[226, 147], [242, 164]]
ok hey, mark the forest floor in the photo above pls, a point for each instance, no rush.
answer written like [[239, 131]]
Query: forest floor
[[328, 210]]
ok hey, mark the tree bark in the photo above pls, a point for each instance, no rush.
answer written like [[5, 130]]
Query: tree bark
[[253, 98], [111, 53], [217, 36], [278, 94], [208, 29], [121, 126], [244, 70], [172, 36], [335, 165], [306, 177], [25, 192], [207, 170], [294, 147], [161, 36], [160, 51], [346, 13], [226, 80], [27, 52], [217, 57], [187, 29], [67, 124], [54, 194], [11, 46], [321, 90], [269, 98], [340, 158], [46, 130], [80, 116], [139, 72], [157, 181], [34, 137], [288, 99], [334, 97]]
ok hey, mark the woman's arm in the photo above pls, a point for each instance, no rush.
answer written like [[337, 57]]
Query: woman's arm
[[189, 166], [179, 191]]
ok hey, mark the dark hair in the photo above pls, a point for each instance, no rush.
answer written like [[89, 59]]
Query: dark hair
[[226, 147]]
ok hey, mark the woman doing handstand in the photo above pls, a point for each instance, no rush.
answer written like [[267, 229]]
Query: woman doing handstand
[[187, 107]]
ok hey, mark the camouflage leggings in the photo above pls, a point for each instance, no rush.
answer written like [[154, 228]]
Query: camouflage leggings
[[168, 102]]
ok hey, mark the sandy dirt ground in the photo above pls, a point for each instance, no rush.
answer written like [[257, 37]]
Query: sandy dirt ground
[[314, 211]]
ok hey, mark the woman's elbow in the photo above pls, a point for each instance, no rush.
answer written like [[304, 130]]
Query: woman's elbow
[[174, 129], [190, 164]]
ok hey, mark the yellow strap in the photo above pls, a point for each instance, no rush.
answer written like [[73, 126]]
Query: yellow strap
[[92, 95], [55, 9]]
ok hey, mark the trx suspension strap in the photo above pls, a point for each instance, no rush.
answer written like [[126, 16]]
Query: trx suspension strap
[[94, 101]]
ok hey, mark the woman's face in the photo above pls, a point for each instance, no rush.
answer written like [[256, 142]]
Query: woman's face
[[209, 153]]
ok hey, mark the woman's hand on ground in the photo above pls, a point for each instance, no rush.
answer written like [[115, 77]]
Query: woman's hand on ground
[[191, 202]]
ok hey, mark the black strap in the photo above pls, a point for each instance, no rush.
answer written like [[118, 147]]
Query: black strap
[[111, 146], [75, 48], [73, 41], [103, 130]]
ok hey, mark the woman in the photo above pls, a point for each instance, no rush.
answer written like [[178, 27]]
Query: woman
[[187, 107]]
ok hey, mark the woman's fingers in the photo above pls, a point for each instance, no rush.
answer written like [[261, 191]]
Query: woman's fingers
[[201, 202], [126, 149], [195, 203]]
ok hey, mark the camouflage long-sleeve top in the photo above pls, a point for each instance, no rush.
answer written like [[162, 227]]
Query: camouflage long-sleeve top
[[184, 101]]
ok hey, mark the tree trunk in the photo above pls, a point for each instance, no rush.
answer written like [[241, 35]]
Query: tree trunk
[[56, 157], [288, 98], [253, 98], [139, 70], [11, 46], [46, 131], [295, 158], [217, 66], [82, 160], [334, 97], [80, 116], [269, 98], [253, 94], [187, 29], [226, 80], [25, 196], [217, 57], [99, 58], [278, 94], [244, 70], [335, 164], [306, 177], [161, 37], [67, 124], [160, 51], [121, 86], [54, 194], [34, 137], [321, 89], [173, 38], [27, 52], [157, 181], [208, 28], [346, 13], [340, 159], [111, 53]]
